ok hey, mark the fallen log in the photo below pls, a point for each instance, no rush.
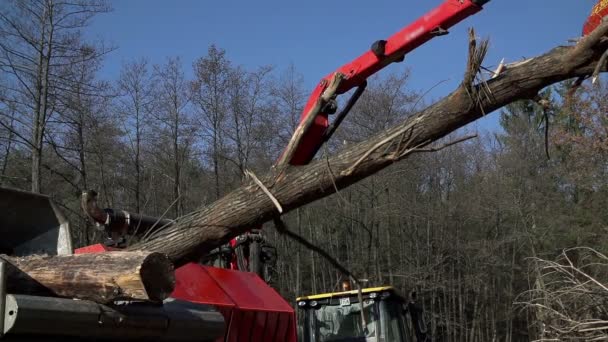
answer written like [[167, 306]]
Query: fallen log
[[100, 277], [254, 203]]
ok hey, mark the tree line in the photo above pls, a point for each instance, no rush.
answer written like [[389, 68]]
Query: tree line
[[459, 226]]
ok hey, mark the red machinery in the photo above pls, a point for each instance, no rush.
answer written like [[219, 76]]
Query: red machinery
[[382, 53], [250, 307], [237, 255], [599, 11], [252, 310]]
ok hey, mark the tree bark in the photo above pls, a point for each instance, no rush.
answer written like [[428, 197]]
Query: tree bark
[[248, 206], [100, 277]]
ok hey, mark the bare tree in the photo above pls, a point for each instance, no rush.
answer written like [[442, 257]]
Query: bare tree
[[385, 101], [176, 128], [136, 89], [569, 296], [210, 93], [79, 108], [81, 111], [38, 38], [248, 94], [289, 97], [7, 139]]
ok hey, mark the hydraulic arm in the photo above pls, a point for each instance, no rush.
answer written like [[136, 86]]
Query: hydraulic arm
[[382, 53]]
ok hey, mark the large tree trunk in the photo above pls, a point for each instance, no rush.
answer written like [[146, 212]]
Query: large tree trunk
[[100, 277], [249, 206]]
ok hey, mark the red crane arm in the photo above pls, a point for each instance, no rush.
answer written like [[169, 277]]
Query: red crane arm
[[383, 52]]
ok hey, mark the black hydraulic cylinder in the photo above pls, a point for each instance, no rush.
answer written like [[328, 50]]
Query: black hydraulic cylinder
[[48, 317]]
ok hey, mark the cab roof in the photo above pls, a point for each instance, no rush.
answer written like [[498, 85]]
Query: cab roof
[[348, 293]]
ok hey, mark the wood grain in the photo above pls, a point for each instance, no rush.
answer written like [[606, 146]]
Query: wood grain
[[101, 277]]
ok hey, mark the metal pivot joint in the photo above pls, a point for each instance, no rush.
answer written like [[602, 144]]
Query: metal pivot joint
[[331, 107], [379, 48], [439, 31]]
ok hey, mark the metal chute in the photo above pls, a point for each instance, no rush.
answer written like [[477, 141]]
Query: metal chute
[[31, 223]]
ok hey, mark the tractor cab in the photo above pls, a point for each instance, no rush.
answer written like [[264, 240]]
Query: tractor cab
[[377, 314]]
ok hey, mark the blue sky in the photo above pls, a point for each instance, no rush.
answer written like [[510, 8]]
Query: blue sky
[[319, 36]]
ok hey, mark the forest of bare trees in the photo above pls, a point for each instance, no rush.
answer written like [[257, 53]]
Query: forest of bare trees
[[464, 227]]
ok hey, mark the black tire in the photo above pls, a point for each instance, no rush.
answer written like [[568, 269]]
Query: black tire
[[255, 259]]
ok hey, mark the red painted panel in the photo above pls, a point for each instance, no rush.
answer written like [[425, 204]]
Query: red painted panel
[[253, 310], [248, 291], [259, 326], [599, 11], [227, 313], [271, 326], [193, 283], [246, 327], [235, 324], [252, 294], [282, 326], [292, 330], [98, 248]]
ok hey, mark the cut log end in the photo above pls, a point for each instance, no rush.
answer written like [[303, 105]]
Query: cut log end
[[158, 276]]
